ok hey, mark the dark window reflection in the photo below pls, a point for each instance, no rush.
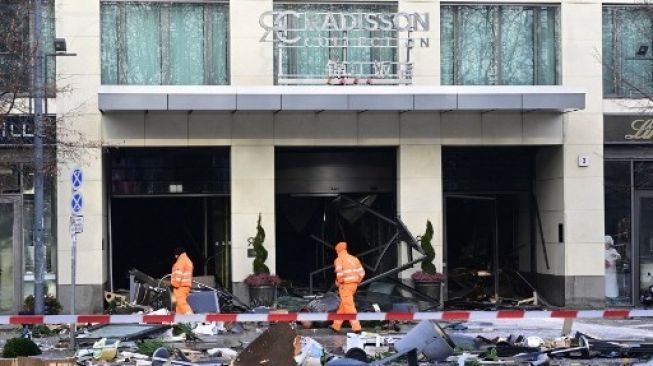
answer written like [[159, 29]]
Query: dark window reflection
[[618, 247]]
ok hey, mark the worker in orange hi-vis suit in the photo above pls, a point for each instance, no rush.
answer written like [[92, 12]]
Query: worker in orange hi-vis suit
[[181, 280], [349, 273]]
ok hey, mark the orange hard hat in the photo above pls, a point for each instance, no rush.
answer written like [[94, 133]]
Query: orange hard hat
[[341, 246]]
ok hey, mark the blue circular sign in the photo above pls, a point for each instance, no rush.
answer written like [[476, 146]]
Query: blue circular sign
[[77, 203], [77, 178]]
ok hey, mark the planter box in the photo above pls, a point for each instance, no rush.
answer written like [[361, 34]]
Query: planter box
[[431, 289], [263, 295]]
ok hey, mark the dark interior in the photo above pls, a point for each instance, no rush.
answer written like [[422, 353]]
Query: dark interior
[[314, 188], [482, 189], [162, 198]]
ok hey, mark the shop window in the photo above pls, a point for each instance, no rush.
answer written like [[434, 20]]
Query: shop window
[[318, 56], [627, 51], [16, 43], [499, 45], [164, 43], [618, 268]]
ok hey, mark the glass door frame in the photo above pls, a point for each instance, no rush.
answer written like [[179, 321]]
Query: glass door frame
[[638, 195], [17, 202]]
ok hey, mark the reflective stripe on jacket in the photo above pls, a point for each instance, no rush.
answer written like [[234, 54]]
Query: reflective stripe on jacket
[[182, 272], [348, 268]]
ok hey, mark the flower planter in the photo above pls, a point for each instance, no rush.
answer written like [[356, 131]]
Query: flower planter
[[262, 295], [431, 289]]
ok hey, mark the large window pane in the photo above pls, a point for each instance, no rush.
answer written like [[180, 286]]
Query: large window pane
[[109, 45], [16, 41], [627, 50], [158, 43], [499, 45]]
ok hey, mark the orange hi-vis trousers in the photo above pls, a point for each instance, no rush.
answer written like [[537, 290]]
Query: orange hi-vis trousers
[[347, 306], [181, 294]]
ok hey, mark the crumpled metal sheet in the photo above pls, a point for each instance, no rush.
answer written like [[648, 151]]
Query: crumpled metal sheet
[[123, 332]]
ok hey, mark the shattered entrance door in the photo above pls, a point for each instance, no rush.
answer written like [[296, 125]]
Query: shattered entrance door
[[471, 246]]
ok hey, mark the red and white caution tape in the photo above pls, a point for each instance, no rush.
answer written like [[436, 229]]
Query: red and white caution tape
[[291, 317]]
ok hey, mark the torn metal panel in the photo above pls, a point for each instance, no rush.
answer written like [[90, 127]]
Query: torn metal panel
[[122, 332]]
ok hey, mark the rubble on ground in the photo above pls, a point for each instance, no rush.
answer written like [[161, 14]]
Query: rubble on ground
[[312, 343]]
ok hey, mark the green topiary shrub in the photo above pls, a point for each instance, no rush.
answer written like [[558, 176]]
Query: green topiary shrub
[[425, 243], [261, 253], [261, 275], [20, 347], [428, 273]]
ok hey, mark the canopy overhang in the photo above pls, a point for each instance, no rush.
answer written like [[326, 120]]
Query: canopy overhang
[[339, 98]]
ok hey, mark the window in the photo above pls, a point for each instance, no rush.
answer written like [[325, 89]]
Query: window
[[169, 171], [16, 44], [164, 43], [312, 59], [627, 51], [499, 45], [618, 192]]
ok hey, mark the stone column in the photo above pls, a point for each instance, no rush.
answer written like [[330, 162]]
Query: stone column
[[419, 180], [583, 135], [77, 113], [252, 193], [252, 61]]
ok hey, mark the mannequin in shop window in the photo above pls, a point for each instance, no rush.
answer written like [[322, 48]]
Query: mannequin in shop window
[[611, 258]]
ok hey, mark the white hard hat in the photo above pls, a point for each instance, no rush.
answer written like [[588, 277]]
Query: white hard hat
[[608, 240]]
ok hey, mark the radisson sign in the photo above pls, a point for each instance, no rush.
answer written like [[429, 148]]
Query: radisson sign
[[283, 21], [344, 31]]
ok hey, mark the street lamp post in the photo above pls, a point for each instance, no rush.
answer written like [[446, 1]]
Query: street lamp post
[[38, 71]]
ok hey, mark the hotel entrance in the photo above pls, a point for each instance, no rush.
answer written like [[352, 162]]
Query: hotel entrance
[[488, 201], [162, 198]]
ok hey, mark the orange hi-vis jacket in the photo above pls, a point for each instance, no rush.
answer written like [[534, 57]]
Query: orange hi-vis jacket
[[182, 272], [348, 268]]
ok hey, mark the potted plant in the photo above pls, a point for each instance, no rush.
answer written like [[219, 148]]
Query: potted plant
[[262, 284], [428, 281]]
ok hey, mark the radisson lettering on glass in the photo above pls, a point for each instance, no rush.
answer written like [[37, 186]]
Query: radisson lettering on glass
[[354, 45]]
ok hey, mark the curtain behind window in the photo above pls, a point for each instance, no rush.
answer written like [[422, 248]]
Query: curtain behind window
[[187, 44], [220, 44], [143, 40]]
